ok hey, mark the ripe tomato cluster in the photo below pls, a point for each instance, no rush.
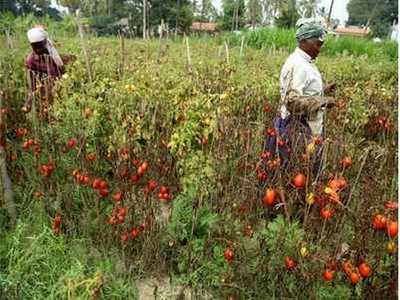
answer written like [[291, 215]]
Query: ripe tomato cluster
[[164, 195], [46, 169], [354, 274], [30, 143], [380, 223], [118, 215]]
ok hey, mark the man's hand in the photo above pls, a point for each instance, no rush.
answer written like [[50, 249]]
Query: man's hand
[[330, 88]]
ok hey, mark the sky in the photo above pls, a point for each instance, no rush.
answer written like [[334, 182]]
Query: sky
[[339, 10]]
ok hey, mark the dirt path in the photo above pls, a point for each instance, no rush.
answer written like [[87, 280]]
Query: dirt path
[[162, 289]]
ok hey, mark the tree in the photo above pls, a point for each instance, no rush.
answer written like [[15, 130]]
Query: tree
[[204, 10], [308, 8], [288, 14], [379, 15], [234, 14], [23, 7], [176, 13], [8, 5], [72, 5], [254, 10]]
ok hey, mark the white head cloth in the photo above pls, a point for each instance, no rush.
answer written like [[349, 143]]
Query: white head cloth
[[38, 34]]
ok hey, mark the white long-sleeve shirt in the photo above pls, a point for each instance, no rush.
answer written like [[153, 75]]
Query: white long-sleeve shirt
[[300, 75]]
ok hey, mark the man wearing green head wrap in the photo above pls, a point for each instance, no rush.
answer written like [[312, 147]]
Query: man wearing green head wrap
[[300, 122]]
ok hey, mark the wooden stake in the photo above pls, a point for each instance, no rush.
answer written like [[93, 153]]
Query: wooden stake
[[227, 53], [241, 47]]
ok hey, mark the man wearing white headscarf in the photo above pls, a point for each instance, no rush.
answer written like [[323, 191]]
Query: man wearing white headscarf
[[44, 66], [303, 102]]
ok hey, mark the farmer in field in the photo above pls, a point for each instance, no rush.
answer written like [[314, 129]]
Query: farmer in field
[[44, 66], [300, 123]]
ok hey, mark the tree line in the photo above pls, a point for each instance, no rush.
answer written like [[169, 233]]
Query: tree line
[[178, 15]]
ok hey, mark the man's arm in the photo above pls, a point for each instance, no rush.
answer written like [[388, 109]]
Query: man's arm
[[304, 105], [296, 102]]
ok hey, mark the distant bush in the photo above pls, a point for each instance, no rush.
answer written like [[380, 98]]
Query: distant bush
[[275, 38], [9, 24]]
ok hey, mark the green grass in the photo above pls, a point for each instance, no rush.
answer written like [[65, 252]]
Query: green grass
[[36, 264]]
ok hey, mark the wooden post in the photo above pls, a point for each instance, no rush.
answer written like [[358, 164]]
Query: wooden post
[[241, 46], [330, 12], [144, 18], [189, 59], [227, 53]]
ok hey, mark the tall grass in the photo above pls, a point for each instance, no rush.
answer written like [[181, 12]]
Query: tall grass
[[36, 264], [276, 38]]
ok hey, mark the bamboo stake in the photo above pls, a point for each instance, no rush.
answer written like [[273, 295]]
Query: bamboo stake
[[188, 54], [122, 63], [241, 47], [227, 53]]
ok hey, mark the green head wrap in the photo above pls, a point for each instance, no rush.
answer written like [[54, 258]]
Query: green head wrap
[[310, 28]]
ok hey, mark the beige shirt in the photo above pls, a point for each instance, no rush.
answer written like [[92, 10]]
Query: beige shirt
[[300, 79]]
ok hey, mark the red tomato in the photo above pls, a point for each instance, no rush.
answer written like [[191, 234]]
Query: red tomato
[[85, 179], [299, 180], [328, 275], [391, 205], [354, 278], [121, 219], [326, 213], [20, 132], [145, 165], [72, 143], [140, 171], [266, 155], [267, 108], [271, 132], [280, 142], [25, 145], [135, 233], [91, 157], [261, 176], [229, 255], [103, 193], [135, 178], [152, 184], [290, 263], [96, 184], [103, 185], [117, 196], [57, 220], [392, 229], [365, 270], [346, 162], [337, 183], [269, 197], [347, 267], [164, 190], [124, 236], [379, 222]]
